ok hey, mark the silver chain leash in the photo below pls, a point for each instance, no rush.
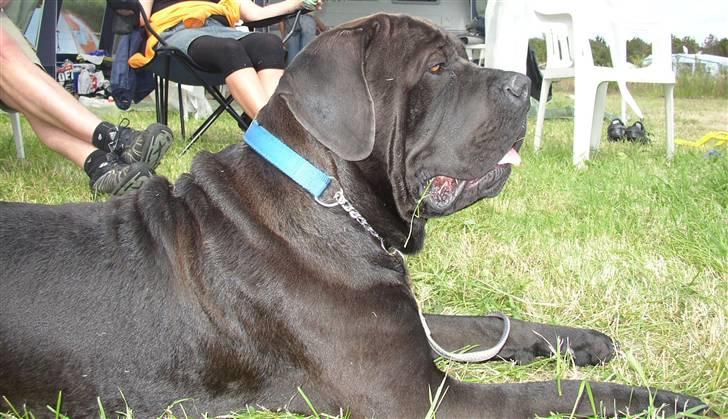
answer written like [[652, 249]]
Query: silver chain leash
[[356, 216]]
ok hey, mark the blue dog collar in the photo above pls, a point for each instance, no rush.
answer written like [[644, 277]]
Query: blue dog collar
[[286, 160]]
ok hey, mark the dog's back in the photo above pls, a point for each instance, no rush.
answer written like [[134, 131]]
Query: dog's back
[[63, 324], [152, 294]]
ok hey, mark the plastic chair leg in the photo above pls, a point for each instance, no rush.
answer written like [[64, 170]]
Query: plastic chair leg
[[670, 121], [17, 135], [543, 97], [600, 102], [629, 99], [584, 104]]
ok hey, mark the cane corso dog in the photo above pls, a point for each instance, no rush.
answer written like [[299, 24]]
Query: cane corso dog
[[233, 287]]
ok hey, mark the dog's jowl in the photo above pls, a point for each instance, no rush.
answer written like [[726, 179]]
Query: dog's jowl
[[234, 286]]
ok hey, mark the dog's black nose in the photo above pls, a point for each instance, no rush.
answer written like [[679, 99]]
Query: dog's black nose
[[516, 86]]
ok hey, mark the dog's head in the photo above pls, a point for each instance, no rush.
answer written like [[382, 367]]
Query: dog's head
[[399, 95]]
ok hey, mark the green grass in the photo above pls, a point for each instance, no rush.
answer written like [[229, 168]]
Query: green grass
[[635, 246]]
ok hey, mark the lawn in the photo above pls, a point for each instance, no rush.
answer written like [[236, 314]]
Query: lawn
[[634, 245]]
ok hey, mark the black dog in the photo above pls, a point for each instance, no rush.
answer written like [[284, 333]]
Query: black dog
[[234, 287]]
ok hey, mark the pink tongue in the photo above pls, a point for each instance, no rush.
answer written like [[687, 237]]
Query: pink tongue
[[512, 157]]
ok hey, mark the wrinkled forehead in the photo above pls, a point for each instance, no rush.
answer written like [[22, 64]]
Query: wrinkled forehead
[[401, 40], [419, 34], [403, 31]]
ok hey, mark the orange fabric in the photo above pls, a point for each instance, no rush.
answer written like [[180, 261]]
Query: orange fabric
[[192, 13]]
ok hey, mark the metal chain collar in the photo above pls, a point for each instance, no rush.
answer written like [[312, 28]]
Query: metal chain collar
[[356, 216]]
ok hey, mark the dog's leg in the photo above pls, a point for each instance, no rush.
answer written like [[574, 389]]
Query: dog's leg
[[526, 341], [528, 400]]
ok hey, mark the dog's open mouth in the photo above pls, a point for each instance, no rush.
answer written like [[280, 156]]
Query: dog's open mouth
[[444, 191]]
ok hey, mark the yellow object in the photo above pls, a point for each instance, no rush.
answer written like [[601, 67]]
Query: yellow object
[[717, 137], [192, 13]]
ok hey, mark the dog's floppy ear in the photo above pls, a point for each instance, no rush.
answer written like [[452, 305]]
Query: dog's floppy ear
[[326, 90]]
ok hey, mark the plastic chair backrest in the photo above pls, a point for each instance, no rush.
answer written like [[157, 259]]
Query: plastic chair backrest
[[571, 24], [506, 39], [559, 52], [646, 20]]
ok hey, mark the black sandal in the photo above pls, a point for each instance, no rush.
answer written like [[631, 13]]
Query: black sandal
[[616, 130], [636, 133]]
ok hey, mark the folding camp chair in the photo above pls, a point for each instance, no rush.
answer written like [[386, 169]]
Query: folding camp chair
[[171, 64]]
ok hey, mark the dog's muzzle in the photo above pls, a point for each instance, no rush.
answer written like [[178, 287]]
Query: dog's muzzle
[[444, 192]]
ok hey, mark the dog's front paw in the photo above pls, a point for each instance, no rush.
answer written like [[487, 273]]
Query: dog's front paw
[[529, 341], [590, 347], [585, 346]]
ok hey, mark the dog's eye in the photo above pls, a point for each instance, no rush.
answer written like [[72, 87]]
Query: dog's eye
[[436, 69]]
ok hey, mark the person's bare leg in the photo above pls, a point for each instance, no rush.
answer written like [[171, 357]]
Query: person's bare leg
[[70, 147], [269, 78], [32, 92], [247, 89]]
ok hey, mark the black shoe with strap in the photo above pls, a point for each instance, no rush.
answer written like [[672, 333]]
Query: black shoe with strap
[[114, 177], [148, 146]]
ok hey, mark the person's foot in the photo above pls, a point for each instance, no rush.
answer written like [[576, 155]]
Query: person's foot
[[115, 177], [148, 146]]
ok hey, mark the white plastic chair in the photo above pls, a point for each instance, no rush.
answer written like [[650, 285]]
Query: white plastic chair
[[480, 48], [567, 25], [506, 36]]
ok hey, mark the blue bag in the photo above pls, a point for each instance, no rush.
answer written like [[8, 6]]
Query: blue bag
[[128, 84]]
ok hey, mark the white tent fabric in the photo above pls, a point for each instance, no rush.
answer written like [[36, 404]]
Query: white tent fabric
[[711, 64], [73, 36]]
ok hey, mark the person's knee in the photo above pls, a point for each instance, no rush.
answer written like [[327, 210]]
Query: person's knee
[[8, 50], [13, 59], [269, 42], [229, 48], [219, 54], [8, 56], [265, 50]]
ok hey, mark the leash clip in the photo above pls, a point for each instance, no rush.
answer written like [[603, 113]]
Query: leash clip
[[334, 200]]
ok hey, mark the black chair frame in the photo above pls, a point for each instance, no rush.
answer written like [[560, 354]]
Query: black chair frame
[[172, 64]]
